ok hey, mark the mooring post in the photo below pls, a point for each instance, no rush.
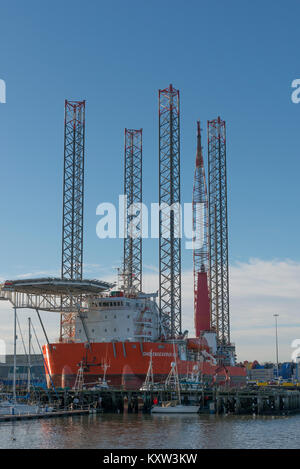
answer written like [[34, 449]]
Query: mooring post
[[114, 404], [225, 404], [65, 398], [219, 404], [237, 407], [260, 405], [286, 403], [136, 404], [129, 406]]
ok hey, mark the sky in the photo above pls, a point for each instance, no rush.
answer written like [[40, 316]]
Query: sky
[[236, 59]]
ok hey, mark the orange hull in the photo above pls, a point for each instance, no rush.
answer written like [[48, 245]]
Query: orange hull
[[127, 362]]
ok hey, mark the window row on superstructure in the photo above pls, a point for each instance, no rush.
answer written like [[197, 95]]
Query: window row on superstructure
[[109, 304]]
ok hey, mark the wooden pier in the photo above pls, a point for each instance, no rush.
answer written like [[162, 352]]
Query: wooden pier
[[260, 401], [43, 415], [271, 400]]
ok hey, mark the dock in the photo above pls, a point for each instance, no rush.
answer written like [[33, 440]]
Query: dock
[[270, 400], [61, 413]]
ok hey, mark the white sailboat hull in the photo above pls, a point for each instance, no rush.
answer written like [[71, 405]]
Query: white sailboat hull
[[176, 409], [7, 408]]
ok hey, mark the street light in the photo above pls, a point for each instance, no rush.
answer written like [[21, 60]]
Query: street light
[[276, 316]]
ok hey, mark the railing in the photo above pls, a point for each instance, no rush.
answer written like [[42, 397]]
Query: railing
[[45, 302]]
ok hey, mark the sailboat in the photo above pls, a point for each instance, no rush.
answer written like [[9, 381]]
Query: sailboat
[[11, 406], [174, 406], [192, 381], [148, 384], [102, 383], [79, 381]]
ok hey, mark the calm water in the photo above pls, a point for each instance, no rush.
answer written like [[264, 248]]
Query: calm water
[[146, 431]]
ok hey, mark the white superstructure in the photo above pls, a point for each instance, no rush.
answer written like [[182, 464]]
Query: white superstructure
[[118, 318]]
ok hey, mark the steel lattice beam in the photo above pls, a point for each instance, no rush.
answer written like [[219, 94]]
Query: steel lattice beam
[[169, 220], [132, 264], [218, 230], [200, 218], [73, 194]]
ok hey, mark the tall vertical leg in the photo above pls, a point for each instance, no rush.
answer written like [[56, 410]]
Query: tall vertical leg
[[170, 212], [132, 268], [73, 195], [200, 245], [218, 230]]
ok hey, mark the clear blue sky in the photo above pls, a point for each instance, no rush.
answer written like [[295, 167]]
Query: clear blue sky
[[235, 59]]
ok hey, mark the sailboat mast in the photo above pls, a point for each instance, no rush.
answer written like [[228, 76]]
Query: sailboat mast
[[176, 374], [151, 368], [29, 355]]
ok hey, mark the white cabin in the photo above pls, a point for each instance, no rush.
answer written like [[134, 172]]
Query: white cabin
[[119, 318]]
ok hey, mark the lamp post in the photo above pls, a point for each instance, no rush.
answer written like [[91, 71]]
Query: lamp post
[[15, 355], [276, 316]]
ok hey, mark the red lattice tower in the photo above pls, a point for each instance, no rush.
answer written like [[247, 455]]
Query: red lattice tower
[[200, 244]]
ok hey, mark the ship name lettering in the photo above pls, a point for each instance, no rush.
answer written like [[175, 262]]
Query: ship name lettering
[[158, 354]]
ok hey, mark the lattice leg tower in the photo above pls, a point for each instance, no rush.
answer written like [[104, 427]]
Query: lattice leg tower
[[218, 230], [73, 194], [200, 219], [132, 268], [169, 220]]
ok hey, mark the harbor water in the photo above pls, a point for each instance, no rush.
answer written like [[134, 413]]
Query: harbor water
[[115, 431]]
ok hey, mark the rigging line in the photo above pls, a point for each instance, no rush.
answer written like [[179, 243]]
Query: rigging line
[[23, 342], [32, 346], [22, 337], [44, 360]]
